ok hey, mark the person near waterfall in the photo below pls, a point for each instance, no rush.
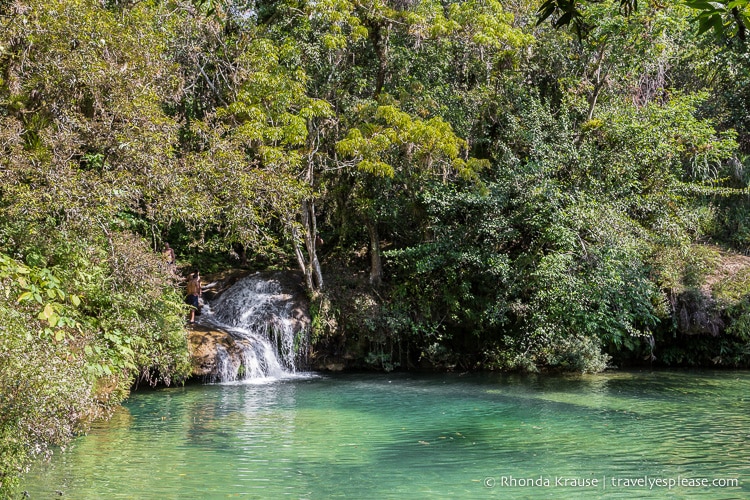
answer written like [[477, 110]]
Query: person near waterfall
[[169, 257], [193, 294]]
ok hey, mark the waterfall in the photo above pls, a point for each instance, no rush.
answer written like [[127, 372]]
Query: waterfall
[[260, 316]]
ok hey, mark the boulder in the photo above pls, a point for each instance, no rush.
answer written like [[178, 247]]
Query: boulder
[[213, 349]]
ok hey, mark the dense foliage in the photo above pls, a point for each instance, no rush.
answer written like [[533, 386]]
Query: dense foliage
[[484, 191]]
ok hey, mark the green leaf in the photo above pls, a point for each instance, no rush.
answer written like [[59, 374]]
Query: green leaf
[[53, 320], [698, 4], [75, 300], [704, 24], [718, 25], [564, 20]]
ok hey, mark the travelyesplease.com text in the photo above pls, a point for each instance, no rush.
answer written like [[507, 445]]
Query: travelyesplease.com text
[[604, 482]]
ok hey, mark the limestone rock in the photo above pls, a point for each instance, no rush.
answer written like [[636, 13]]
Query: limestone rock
[[210, 347], [702, 310]]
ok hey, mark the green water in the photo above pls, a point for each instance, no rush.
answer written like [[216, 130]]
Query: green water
[[416, 436]]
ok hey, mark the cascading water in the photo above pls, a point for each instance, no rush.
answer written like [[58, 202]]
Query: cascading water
[[260, 317]]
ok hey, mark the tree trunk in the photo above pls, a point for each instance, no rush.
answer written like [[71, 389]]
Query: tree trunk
[[380, 44], [306, 270], [241, 251], [376, 265], [311, 236], [599, 80], [310, 265]]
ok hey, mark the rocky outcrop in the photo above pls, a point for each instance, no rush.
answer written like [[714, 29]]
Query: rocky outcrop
[[211, 349], [703, 310], [697, 312]]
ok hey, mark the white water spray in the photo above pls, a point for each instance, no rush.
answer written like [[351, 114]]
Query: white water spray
[[260, 317]]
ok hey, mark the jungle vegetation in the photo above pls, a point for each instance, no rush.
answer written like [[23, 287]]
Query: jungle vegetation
[[497, 185]]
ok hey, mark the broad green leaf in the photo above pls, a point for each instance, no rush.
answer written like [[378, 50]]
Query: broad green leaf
[[53, 319]]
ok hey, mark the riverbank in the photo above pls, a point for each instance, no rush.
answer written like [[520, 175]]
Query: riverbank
[[356, 327]]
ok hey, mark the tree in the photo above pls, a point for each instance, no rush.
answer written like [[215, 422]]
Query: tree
[[393, 142], [725, 19], [90, 308]]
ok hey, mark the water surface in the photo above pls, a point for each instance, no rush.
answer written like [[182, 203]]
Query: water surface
[[620, 435]]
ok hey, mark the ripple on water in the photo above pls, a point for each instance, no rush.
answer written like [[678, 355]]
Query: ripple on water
[[412, 436]]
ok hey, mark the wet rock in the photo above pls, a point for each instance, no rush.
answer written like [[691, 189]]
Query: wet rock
[[210, 347]]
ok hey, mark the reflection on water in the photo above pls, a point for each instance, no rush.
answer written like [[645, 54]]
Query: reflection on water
[[394, 436]]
